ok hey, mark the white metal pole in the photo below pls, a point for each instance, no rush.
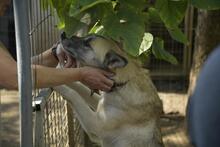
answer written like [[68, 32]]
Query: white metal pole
[[24, 71]]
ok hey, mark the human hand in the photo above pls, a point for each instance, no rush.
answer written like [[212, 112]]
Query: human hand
[[96, 78], [65, 59]]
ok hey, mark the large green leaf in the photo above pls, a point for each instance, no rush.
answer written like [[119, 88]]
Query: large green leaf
[[126, 26], [206, 4], [99, 11], [87, 4], [138, 5], [178, 35], [153, 16], [160, 53], [62, 7], [171, 12], [72, 25]]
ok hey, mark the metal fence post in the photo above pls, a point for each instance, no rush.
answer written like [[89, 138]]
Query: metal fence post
[[24, 71]]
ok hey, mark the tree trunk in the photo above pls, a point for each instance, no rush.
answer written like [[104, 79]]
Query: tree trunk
[[207, 38]]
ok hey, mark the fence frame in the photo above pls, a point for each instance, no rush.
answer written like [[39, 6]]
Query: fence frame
[[24, 71], [38, 105]]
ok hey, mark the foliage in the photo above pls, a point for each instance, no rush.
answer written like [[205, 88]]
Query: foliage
[[127, 21], [206, 4]]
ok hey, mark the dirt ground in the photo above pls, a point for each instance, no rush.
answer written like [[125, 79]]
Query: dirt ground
[[9, 119], [172, 122]]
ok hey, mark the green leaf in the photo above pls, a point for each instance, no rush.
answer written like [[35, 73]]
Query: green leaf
[[160, 53], [126, 26], [99, 11], [206, 4], [96, 29], [62, 8], [85, 2], [146, 43], [88, 5], [138, 5], [144, 57], [72, 25], [154, 16], [178, 35], [171, 12]]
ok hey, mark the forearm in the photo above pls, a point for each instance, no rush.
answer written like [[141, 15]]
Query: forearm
[[46, 58], [8, 73], [43, 76], [49, 77]]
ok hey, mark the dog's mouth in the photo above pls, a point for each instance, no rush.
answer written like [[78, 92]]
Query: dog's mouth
[[117, 86]]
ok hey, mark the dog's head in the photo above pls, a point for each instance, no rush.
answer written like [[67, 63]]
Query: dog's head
[[98, 51], [95, 50]]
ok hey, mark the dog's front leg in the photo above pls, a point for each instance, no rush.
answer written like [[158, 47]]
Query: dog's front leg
[[85, 115], [85, 93]]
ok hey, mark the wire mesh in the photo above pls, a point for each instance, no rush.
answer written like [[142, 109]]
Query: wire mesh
[[182, 52], [163, 68], [55, 124]]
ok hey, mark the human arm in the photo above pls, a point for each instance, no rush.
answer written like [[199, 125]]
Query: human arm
[[8, 73], [45, 59], [92, 77], [48, 76]]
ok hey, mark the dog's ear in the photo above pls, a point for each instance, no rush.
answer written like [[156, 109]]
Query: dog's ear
[[113, 60]]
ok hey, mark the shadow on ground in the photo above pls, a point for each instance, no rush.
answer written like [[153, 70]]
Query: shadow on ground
[[174, 131]]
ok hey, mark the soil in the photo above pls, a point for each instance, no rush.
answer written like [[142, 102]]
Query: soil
[[172, 122]]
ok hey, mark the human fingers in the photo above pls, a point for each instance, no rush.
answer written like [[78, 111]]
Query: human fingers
[[108, 82], [107, 74], [105, 88]]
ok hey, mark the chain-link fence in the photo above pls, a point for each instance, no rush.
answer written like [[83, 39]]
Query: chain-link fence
[[55, 124], [182, 52]]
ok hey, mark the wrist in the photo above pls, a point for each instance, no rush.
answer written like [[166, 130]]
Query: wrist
[[80, 74]]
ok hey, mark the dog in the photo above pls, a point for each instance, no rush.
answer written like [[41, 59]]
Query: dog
[[127, 115]]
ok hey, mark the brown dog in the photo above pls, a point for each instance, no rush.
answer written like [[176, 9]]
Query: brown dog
[[128, 115]]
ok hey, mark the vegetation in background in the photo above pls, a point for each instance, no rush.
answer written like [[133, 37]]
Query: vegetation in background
[[127, 21]]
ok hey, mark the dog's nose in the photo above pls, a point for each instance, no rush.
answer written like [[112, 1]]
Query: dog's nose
[[63, 36]]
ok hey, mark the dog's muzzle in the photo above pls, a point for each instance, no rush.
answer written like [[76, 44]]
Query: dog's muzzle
[[117, 85]]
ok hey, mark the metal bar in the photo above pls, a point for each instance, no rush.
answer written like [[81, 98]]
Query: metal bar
[[40, 101], [39, 105], [24, 71]]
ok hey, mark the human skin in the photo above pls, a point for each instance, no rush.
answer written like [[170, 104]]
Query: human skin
[[46, 75]]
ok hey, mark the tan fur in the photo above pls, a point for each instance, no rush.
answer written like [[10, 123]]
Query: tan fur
[[128, 116]]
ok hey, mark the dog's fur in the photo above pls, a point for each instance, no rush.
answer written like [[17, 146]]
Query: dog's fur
[[128, 115]]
